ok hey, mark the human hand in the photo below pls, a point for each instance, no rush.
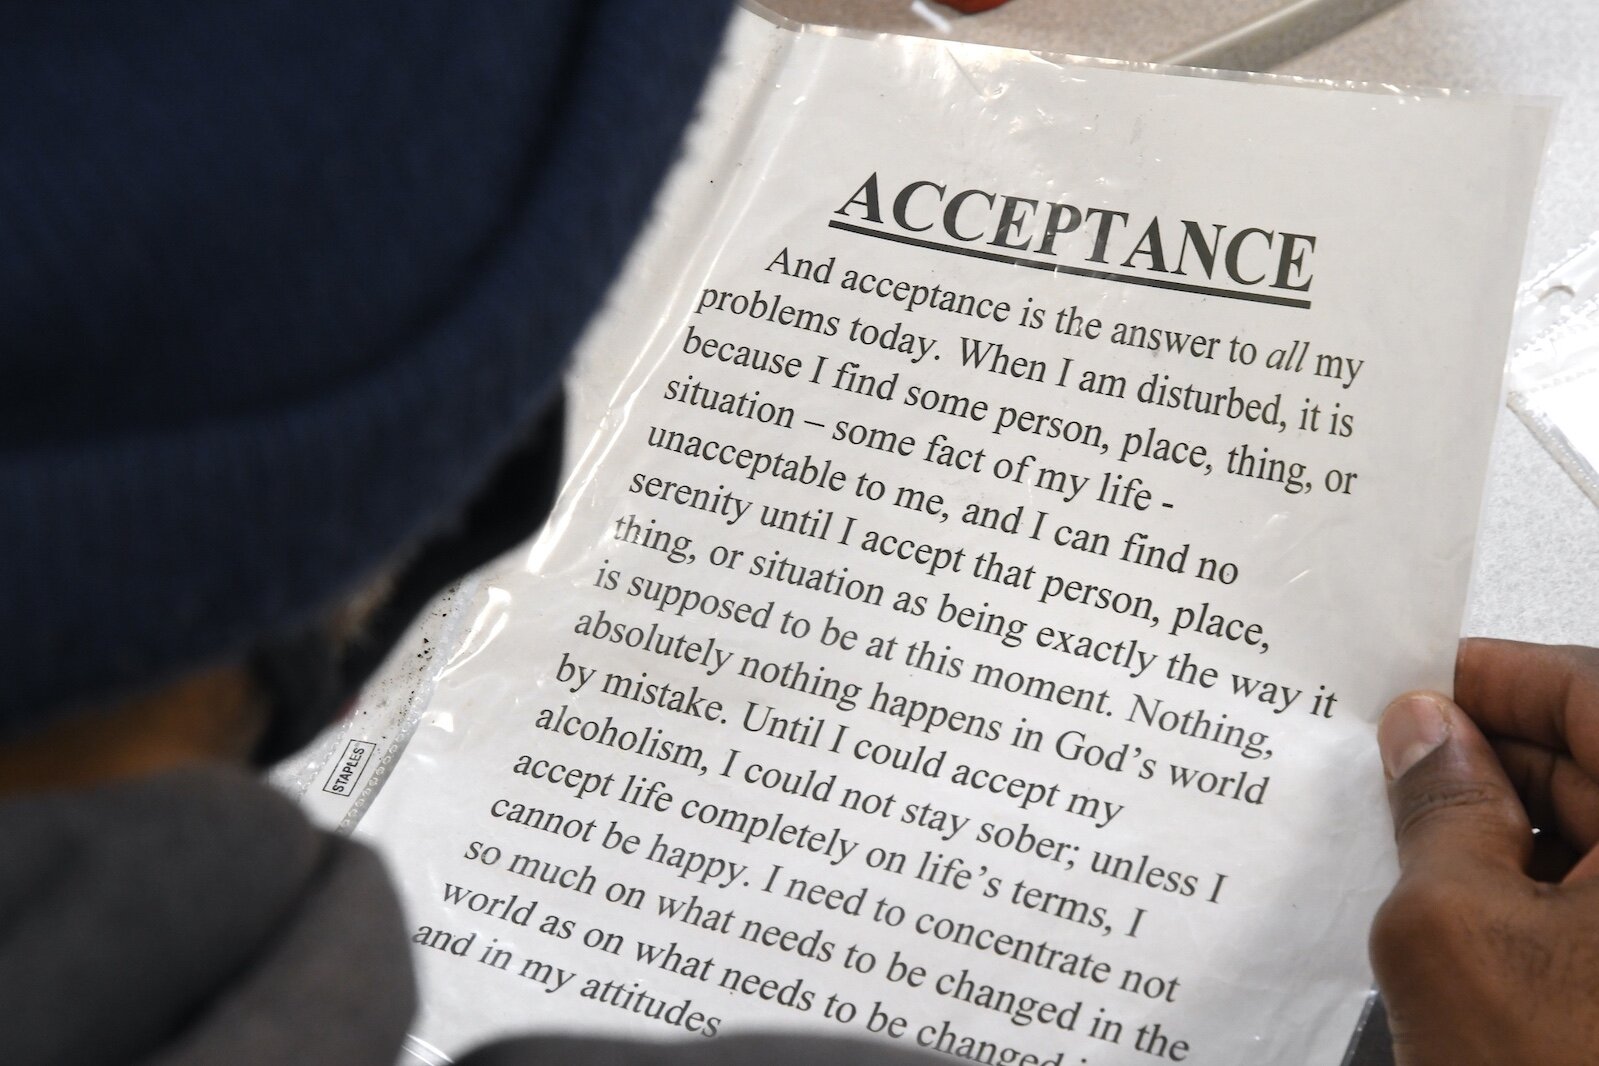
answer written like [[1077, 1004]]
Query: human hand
[[1487, 951]]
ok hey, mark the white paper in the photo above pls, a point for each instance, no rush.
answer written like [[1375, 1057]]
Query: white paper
[[1076, 766]]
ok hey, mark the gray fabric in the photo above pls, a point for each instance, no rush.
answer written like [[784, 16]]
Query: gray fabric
[[193, 918], [197, 919]]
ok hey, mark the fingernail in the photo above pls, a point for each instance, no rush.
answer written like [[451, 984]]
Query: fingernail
[[1412, 728]]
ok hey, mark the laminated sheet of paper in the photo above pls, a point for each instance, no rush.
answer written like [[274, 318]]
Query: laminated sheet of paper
[[1027, 482]]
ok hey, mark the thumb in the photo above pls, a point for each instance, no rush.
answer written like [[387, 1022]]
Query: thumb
[[1452, 804]]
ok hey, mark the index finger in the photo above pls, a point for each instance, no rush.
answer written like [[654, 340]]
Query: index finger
[[1539, 693]]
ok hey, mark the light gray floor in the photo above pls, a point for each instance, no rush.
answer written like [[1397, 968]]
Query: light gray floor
[[1129, 29]]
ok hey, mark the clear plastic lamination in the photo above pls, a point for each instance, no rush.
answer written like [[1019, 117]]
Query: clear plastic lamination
[[1006, 489]]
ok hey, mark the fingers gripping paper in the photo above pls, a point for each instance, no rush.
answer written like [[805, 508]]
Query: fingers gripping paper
[[1028, 479]]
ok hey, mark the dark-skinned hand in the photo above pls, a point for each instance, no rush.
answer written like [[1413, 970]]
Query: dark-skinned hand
[[1487, 951]]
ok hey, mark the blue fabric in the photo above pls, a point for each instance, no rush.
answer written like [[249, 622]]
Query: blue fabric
[[279, 281]]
